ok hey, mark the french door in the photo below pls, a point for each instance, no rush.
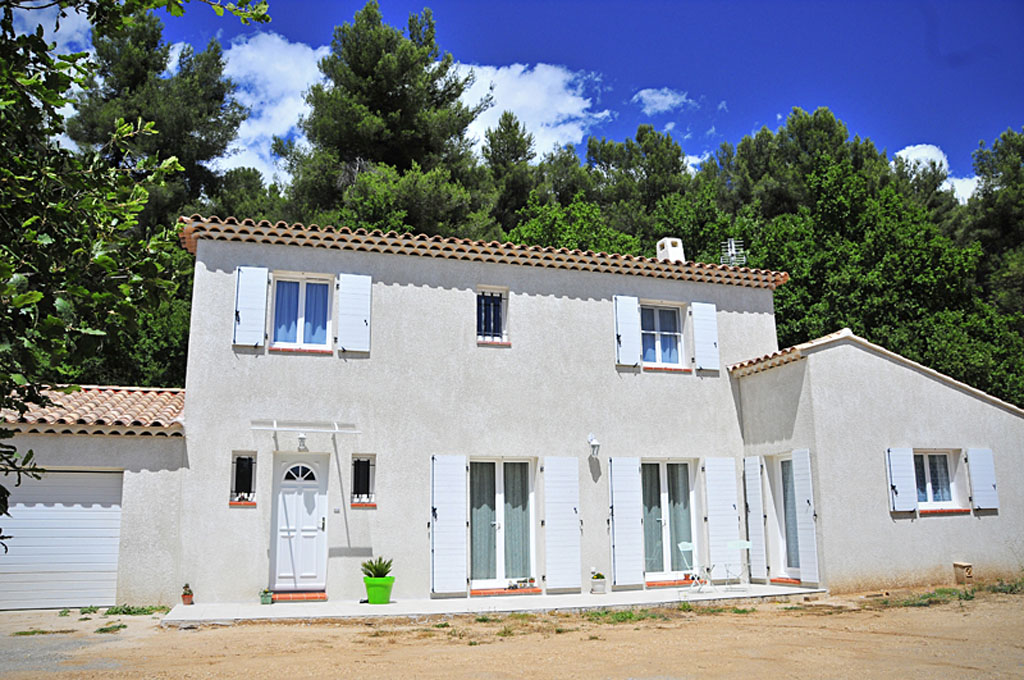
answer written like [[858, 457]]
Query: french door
[[667, 519], [500, 522]]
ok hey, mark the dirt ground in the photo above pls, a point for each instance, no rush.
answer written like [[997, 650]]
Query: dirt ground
[[839, 637]]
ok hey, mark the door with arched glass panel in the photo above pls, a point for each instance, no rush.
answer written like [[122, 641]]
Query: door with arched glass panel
[[300, 525]]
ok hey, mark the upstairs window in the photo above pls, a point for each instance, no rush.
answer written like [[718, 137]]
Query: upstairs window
[[661, 334], [490, 316], [301, 315]]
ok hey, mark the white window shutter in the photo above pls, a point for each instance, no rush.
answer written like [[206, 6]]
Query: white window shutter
[[562, 522], [902, 480], [805, 516], [705, 336], [448, 513], [354, 312], [755, 517], [984, 495], [627, 522], [627, 331], [250, 305], [722, 512]]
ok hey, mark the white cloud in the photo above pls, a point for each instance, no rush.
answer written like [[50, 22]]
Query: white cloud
[[920, 155], [693, 162], [174, 58], [669, 126], [663, 99], [554, 103], [272, 75], [73, 35], [778, 117], [711, 132], [722, 106]]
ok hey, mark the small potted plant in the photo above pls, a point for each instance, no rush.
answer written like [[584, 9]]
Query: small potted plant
[[186, 595], [378, 583], [597, 583], [266, 596]]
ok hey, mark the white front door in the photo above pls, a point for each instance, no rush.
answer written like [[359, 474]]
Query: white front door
[[300, 524]]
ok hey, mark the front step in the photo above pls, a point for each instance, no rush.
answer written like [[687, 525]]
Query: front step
[[308, 596]]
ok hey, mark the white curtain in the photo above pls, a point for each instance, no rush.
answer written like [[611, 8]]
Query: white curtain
[[517, 520], [654, 555], [482, 518], [679, 514]]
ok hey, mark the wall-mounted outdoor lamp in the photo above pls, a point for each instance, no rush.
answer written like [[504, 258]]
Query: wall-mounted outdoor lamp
[[302, 442], [595, 446]]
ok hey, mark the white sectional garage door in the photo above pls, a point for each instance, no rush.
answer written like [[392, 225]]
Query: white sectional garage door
[[63, 548]]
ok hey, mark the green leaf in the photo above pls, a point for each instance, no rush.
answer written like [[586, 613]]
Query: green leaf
[[19, 379], [26, 299]]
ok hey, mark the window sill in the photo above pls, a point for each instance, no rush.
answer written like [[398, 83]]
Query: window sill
[[945, 511], [493, 343], [302, 350], [241, 504], [666, 369], [786, 581], [362, 505], [484, 592]]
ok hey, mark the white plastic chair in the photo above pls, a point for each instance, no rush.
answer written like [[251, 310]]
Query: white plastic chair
[[734, 570], [700, 575]]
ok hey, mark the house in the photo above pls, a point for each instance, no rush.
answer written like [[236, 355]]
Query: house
[[500, 418]]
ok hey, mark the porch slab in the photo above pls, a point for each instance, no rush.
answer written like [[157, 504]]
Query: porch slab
[[232, 612]]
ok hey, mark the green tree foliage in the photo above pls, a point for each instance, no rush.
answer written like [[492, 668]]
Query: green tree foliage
[[389, 98], [197, 117], [577, 226], [72, 267], [194, 109], [508, 150], [995, 219]]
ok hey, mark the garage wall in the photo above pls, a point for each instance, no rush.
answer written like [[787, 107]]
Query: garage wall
[[148, 563]]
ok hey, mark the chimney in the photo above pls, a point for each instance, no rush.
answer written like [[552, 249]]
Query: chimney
[[671, 250]]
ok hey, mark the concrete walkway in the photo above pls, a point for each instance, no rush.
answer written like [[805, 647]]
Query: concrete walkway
[[231, 612]]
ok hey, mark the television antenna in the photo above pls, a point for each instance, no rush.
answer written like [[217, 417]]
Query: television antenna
[[733, 253]]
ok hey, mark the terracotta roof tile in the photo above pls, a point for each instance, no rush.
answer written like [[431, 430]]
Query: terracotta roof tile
[[197, 228], [784, 356], [105, 410]]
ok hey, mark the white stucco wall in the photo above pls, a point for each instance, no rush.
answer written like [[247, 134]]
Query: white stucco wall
[[899, 406], [427, 388], [148, 566], [848, 404]]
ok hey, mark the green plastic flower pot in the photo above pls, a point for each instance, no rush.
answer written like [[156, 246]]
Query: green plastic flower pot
[[378, 590]]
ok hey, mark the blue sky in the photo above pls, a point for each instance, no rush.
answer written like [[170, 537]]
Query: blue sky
[[928, 78]]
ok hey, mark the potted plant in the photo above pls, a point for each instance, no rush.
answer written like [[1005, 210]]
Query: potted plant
[[266, 596], [186, 595], [378, 583], [597, 583]]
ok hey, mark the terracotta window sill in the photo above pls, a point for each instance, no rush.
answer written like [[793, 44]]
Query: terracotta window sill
[[242, 504], [363, 505], [666, 369], [786, 581], [492, 343], [945, 511], [483, 592], [301, 350]]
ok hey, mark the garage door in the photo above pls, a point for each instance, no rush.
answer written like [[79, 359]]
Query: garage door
[[64, 532]]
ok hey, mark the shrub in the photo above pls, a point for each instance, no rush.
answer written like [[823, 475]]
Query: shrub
[[378, 568]]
